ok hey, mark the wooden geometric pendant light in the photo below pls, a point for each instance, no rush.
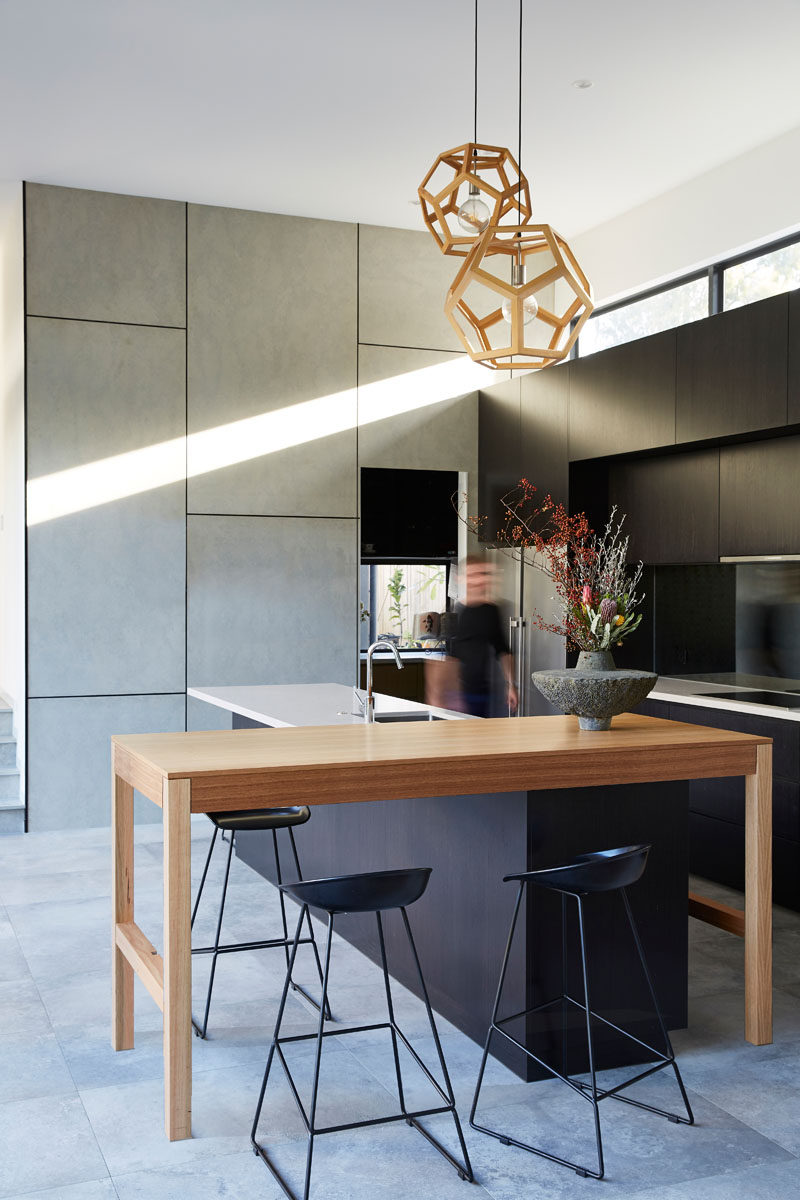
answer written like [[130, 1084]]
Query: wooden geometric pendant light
[[467, 189], [520, 298]]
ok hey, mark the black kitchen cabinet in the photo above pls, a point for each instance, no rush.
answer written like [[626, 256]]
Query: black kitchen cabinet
[[545, 412], [500, 464], [760, 497], [716, 806], [623, 399], [731, 372], [672, 506], [793, 400]]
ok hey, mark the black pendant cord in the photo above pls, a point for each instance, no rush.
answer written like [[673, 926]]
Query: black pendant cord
[[475, 78], [519, 116]]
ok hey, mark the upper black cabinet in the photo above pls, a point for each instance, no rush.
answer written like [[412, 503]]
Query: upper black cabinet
[[499, 450], [793, 415], [732, 371], [545, 400], [672, 506], [759, 498], [623, 399]]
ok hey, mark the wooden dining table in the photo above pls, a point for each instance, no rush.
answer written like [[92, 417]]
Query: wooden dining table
[[233, 770]]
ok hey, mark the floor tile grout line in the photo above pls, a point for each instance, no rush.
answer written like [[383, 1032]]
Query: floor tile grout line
[[58, 1042]]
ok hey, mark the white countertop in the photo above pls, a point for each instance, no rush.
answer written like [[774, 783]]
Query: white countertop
[[283, 705], [695, 692]]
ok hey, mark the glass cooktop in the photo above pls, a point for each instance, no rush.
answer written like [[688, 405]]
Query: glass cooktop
[[776, 699]]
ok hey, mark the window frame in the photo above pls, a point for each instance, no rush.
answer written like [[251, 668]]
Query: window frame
[[714, 274]]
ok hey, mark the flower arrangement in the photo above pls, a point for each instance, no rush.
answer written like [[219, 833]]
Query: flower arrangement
[[595, 587]]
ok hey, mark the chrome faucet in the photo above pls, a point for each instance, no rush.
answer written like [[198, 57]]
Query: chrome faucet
[[369, 704]]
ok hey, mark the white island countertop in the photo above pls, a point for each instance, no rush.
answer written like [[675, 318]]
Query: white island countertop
[[283, 705]]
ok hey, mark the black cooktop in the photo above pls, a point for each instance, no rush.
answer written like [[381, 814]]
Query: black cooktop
[[776, 699]]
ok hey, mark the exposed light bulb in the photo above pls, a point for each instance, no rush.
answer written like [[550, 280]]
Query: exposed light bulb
[[530, 308], [530, 305], [473, 215]]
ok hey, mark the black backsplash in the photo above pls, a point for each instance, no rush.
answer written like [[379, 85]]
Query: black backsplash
[[695, 619]]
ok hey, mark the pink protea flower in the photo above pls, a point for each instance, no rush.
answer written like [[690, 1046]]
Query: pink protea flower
[[608, 610], [586, 595]]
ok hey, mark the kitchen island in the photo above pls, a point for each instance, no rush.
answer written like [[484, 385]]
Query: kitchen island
[[485, 798]]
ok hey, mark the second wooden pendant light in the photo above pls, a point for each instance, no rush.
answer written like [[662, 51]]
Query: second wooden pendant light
[[520, 298]]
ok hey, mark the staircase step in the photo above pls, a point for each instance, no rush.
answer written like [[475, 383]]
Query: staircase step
[[8, 751], [12, 817], [6, 720], [9, 785]]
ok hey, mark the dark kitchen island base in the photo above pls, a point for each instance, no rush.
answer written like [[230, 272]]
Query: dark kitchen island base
[[461, 922]]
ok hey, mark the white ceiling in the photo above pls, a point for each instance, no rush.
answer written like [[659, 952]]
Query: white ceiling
[[336, 108]]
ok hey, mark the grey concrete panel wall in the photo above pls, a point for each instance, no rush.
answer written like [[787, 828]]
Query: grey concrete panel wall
[[272, 324], [272, 600], [403, 281], [437, 437], [103, 257], [106, 585], [70, 756]]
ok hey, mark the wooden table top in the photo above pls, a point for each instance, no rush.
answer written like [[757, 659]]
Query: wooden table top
[[250, 768]]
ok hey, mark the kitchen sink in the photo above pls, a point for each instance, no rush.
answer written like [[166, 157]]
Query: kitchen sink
[[395, 718]]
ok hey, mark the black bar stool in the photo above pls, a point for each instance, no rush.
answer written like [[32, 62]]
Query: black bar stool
[[602, 871], [375, 892], [271, 819]]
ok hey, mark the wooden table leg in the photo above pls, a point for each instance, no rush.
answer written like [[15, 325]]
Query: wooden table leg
[[758, 901], [177, 960], [122, 905]]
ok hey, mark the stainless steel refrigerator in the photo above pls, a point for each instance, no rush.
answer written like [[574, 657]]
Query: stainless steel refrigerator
[[521, 591]]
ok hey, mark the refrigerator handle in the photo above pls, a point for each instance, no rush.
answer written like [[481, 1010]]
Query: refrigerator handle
[[517, 623]]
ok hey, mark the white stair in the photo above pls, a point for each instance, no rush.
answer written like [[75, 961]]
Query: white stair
[[12, 809]]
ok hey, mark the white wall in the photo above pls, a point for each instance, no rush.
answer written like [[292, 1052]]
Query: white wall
[[745, 201], [12, 502]]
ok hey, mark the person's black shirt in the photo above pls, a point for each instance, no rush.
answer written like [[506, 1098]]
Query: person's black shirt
[[478, 642]]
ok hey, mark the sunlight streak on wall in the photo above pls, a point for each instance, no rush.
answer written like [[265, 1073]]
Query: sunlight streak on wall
[[92, 484]]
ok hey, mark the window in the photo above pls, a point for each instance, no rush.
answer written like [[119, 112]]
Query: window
[[757, 278], [398, 595], [640, 318]]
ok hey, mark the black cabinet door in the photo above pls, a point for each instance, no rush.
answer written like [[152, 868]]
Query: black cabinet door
[[545, 401], [623, 399], [759, 497], [793, 413], [731, 371], [672, 506], [500, 463]]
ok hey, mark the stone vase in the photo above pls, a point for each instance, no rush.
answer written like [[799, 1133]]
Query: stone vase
[[594, 690]]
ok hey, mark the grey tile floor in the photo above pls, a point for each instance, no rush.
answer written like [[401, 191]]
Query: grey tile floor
[[78, 1122]]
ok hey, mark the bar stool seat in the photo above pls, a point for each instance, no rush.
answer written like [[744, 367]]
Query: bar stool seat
[[375, 891], [585, 875], [600, 871], [264, 818], [269, 820]]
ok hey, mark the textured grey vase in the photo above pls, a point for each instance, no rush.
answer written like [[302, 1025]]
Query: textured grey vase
[[594, 691]]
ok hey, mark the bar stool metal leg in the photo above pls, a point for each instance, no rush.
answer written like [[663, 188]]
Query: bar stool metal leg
[[689, 1119], [297, 987], [448, 1094], [203, 877], [589, 1090], [200, 1030], [275, 1047], [390, 1009], [590, 1043], [493, 1027], [216, 948], [328, 1016], [310, 1118]]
